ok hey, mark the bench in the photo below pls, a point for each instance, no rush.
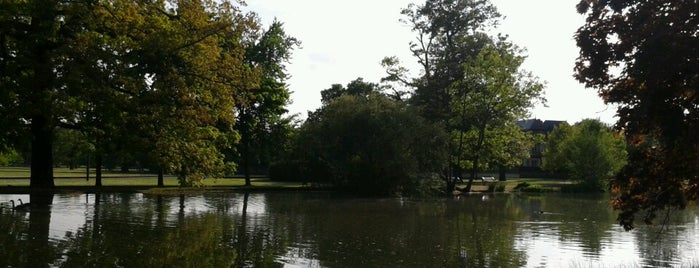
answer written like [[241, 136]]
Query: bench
[[488, 179]]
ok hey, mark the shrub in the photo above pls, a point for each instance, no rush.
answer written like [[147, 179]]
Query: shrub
[[285, 171], [521, 185], [581, 188], [532, 188], [497, 187]]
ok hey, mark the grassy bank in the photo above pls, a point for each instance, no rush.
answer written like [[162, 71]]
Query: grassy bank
[[510, 185], [16, 180]]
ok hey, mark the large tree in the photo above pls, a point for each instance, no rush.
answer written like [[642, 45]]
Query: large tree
[[369, 144], [41, 45], [493, 94], [260, 112], [357, 88], [471, 83], [643, 56], [194, 64], [448, 32], [166, 69]]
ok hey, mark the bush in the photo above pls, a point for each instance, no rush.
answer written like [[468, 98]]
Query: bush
[[10, 157], [425, 187], [521, 185], [537, 189], [527, 188], [581, 188], [285, 171], [369, 145], [497, 187]]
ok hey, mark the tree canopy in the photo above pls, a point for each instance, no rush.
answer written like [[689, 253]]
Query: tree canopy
[[369, 145], [588, 152], [448, 32], [643, 56], [260, 110], [169, 77], [471, 83], [493, 94]]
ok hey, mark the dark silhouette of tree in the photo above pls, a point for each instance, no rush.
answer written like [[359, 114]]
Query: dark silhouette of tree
[[643, 56]]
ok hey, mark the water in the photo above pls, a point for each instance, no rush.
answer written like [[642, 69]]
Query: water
[[323, 230]]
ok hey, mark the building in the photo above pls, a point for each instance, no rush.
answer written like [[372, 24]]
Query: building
[[536, 126]]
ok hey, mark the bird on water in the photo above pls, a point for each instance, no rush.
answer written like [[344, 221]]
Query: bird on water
[[22, 206]]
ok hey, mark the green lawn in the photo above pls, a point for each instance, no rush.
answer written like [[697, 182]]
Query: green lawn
[[19, 176], [64, 177]]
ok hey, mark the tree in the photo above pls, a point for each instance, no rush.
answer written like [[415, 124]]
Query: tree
[[369, 145], [471, 83], [357, 88], [588, 152], [493, 94], [259, 114], [30, 50], [642, 57], [195, 66], [167, 69], [10, 157], [71, 148], [448, 33]]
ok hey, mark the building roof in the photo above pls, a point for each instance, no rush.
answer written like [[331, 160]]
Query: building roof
[[538, 125]]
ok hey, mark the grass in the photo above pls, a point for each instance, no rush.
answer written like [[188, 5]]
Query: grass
[[16, 179], [537, 185]]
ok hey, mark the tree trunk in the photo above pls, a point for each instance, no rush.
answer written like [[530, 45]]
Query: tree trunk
[[246, 156], [245, 141], [502, 172], [476, 156], [98, 169], [246, 165], [474, 171], [87, 169], [42, 153], [41, 101], [161, 183]]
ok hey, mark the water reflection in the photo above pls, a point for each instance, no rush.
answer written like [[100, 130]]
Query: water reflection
[[322, 230]]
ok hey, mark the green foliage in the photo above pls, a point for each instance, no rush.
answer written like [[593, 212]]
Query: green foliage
[[10, 157], [355, 88], [497, 187], [642, 57], [71, 148], [588, 152], [493, 94], [285, 170], [371, 145], [536, 189], [156, 81], [449, 32], [580, 188], [471, 84], [532, 188], [521, 185], [264, 132]]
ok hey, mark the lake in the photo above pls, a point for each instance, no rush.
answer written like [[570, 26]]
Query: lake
[[291, 229]]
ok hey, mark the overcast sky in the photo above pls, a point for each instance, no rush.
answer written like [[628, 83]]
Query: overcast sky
[[344, 40]]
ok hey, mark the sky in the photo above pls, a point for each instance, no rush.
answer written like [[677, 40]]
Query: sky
[[343, 40]]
